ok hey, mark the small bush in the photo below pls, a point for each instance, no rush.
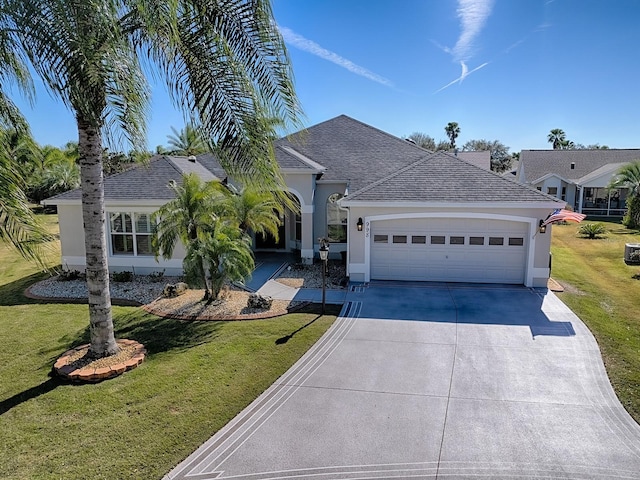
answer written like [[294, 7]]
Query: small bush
[[122, 276], [156, 277], [68, 275], [592, 230]]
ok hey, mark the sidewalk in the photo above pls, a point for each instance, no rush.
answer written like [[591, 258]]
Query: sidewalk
[[278, 291]]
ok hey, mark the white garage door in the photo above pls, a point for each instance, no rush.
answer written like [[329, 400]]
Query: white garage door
[[449, 250]]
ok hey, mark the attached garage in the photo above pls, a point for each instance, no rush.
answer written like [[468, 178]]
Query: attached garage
[[449, 250]]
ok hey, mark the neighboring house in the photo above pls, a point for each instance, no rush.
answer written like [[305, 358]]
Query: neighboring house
[[393, 210], [578, 177]]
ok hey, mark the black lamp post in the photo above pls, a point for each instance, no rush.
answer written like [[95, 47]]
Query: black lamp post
[[324, 255]]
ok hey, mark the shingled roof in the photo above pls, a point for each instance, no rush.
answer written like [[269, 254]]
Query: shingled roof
[[144, 182], [352, 151], [442, 177], [535, 164]]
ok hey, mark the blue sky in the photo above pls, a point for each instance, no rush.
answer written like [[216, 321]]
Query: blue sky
[[507, 70]]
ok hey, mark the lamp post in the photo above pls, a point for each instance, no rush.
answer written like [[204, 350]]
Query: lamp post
[[324, 255]]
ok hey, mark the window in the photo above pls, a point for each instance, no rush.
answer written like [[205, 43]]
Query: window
[[552, 191], [381, 239], [564, 193], [456, 240], [437, 239], [516, 241], [476, 240], [130, 233], [496, 241], [336, 220], [419, 239], [399, 239]]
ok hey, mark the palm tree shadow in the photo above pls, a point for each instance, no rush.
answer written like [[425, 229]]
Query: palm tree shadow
[[45, 387], [286, 338]]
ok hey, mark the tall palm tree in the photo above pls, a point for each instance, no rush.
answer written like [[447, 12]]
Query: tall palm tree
[[557, 138], [452, 130], [187, 141], [224, 62], [629, 177]]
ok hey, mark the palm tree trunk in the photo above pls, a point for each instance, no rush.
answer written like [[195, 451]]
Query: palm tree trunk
[[103, 342]]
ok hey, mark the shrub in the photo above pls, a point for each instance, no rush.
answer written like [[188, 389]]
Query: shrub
[[68, 275], [122, 276], [592, 230], [156, 277]]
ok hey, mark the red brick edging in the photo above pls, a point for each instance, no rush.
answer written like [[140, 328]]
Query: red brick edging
[[63, 368]]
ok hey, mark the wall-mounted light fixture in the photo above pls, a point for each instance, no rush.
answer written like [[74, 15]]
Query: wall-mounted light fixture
[[542, 228], [359, 224]]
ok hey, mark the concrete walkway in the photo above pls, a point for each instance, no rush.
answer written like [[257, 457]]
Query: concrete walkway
[[279, 291], [435, 381]]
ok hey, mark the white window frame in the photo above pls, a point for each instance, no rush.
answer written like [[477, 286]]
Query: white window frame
[[134, 232]]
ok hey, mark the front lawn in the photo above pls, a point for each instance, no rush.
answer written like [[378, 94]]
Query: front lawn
[[197, 376], [601, 290]]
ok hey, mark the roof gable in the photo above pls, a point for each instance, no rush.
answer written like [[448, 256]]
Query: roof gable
[[352, 151], [441, 177]]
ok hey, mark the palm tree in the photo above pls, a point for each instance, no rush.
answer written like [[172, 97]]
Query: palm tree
[[187, 141], [255, 210], [452, 130], [228, 68], [219, 254], [187, 218], [557, 138], [629, 177], [204, 217]]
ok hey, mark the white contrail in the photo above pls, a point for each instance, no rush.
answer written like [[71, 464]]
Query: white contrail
[[313, 48], [465, 73], [473, 15]]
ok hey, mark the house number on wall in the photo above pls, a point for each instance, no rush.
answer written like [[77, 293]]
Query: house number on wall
[[367, 229]]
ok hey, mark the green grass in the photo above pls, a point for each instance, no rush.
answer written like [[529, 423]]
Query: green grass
[[197, 377], [601, 290]]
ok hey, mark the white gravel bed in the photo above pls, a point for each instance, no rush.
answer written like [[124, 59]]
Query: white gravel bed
[[142, 289]]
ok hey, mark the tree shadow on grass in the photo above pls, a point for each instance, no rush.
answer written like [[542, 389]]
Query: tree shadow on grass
[[164, 334], [156, 334], [12, 294], [45, 387]]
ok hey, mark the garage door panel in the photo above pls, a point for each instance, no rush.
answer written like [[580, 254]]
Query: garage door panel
[[485, 263]]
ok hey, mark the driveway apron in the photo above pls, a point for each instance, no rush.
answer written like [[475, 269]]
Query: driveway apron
[[435, 381]]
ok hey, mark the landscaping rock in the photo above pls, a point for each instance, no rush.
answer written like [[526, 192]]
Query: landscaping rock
[[174, 290], [262, 302]]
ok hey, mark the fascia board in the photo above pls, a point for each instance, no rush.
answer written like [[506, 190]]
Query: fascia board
[[448, 205]]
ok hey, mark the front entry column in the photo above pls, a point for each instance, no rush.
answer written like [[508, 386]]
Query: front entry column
[[306, 250]]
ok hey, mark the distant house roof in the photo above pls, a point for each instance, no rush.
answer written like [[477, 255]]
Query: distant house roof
[[479, 159], [442, 177], [535, 164]]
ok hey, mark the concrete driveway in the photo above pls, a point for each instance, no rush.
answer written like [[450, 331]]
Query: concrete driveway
[[435, 381]]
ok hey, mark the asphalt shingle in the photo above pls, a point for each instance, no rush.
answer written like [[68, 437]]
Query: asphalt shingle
[[442, 177]]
